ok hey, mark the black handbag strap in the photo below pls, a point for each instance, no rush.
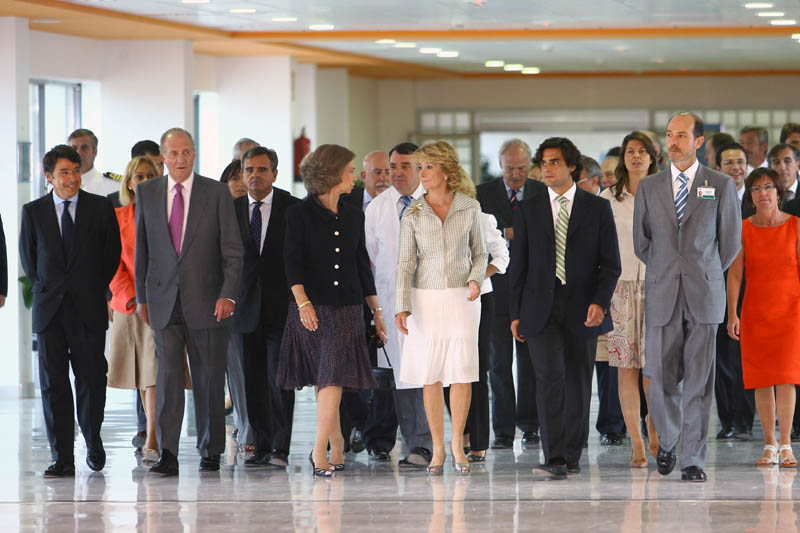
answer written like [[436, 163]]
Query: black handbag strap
[[386, 355]]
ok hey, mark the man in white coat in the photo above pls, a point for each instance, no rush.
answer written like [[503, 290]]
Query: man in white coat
[[382, 229]]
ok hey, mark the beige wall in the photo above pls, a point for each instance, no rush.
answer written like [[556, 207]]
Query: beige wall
[[363, 109]]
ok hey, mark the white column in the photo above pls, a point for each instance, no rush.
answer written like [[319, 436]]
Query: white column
[[15, 320], [255, 100], [333, 107]]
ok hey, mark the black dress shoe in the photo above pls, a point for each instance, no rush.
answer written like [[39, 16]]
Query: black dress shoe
[[379, 455], [556, 470], [529, 438], [573, 468], [96, 459], [210, 463], [279, 459], [139, 440], [743, 434], [357, 442], [60, 469], [167, 465], [693, 473], [417, 458], [796, 435], [503, 442], [260, 458], [725, 433], [665, 461], [611, 439]]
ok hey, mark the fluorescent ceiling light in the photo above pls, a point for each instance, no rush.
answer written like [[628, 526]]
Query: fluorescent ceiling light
[[758, 5], [242, 10], [513, 67], [796, 36], [783, 22], [771, 14], [531, 70], [385, 41], [448, 53], [494, 63], [405, 45], [284, 19], [429, 50], [320, 27]]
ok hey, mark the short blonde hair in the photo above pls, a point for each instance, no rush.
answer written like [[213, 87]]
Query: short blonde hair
[[126, 196], [444, 154], [322, 169]]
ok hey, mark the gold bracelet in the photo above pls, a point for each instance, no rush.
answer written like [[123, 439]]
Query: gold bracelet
[[302, 305]]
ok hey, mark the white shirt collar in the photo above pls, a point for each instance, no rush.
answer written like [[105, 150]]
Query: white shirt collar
[[267, 199], [187, 183], [58, 200], [569, 195], [793, 188], [689, 172]]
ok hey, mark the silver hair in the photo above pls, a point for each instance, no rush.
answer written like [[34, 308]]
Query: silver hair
[[175, 131], [515, 143], [237, 146]]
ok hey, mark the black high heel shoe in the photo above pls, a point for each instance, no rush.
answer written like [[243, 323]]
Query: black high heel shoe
[[319, 472]]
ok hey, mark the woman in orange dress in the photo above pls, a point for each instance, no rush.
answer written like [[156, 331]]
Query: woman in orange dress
[[769, 331]]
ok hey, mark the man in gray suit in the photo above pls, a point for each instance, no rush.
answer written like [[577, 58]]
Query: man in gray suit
[[687, 229], [188, 264]]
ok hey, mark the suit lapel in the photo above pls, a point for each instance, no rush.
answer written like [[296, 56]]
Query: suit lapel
[[197, 206], [693, 201], [81, 213], [50, 223], [161, 208], [242, 214], [664, 191], [547, 212], [274, 212], [578, 212], [502, 197]]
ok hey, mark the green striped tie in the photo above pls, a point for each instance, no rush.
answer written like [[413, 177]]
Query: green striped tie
[[562, 222]]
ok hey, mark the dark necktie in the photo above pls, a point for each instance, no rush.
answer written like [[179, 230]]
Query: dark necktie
[[66, 229], [176, 218], [255, 225], [512, 198], [406, 202]]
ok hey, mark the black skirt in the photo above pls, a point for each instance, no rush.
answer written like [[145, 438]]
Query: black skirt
[[336, 354]]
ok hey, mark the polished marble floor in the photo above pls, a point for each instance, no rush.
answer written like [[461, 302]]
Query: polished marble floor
[[502, 495]]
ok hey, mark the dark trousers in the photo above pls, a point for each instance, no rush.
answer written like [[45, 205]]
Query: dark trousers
[[478, 421], [609, 412], [66, 341], [563, 365], [208, 350], [510, 410], [141, 417], [735, 405], [270, 408]]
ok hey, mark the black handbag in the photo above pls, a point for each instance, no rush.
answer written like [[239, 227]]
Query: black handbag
[[384, 377]]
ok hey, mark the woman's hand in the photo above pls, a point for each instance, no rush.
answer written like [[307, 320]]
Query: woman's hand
[[733, 327], [474, 291], [131, 304], [308, 317], [380, 327], [400, 320]]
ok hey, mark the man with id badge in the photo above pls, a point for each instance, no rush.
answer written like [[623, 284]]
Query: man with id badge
[[687, 229]]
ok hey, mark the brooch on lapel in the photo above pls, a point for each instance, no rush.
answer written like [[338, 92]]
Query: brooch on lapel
[[414, 209]]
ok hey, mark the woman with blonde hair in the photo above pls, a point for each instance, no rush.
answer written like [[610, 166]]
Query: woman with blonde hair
[[441, 264], [132, 351]]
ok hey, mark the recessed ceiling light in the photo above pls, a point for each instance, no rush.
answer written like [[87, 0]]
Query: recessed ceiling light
[[783, 22], [771, 14], [531, 70], [796, 36], [385, 41], [429, 50], [284, 19], [320, 27], [195, 1], [45, 21], [405, 45], [494, 63], [758, 5], [448, 53], [513, 67], [242, 10]]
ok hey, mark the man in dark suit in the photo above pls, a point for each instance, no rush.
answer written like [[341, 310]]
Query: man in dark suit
[[188, 267], [500, 197], [564, 268], [263, 304], [735, 405], [70, 247]]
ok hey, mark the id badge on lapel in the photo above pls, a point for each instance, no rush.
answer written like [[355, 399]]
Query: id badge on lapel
[[705, 192]]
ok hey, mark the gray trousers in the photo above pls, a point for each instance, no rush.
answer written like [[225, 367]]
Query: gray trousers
[[235, 369], [412, 419], [681, 351], [207, 359]]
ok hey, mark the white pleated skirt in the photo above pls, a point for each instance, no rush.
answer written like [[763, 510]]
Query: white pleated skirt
[[442, 341]]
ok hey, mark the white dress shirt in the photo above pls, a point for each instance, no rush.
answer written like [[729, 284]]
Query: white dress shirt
[[416, 195], [365, 202], [520, 193], [187, 194], [740, 192], [690, 173], [95, 183], [266, 209], [556, 205], [59, 204]]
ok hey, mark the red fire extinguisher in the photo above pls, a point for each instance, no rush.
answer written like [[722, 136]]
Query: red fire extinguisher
[[302, 145]]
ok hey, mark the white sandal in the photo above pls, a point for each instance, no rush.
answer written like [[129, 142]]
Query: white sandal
[[770, 460], [787, 463]]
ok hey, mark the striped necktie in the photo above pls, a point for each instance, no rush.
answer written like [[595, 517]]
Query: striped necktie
[[406, 200], [681, 197], [562, 222], [512, 199], [255, 225]]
